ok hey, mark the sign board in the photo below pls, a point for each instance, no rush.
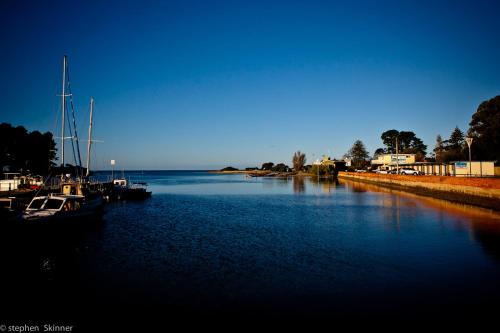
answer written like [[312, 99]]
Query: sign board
[[399, 158], [461, 165], [112, 162]]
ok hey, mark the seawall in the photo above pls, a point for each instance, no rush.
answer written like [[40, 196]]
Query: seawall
[[482, 192]]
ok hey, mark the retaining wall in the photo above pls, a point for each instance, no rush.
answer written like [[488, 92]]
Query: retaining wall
[[483, 192]]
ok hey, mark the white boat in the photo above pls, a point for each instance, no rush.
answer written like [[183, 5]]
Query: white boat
[[62, 207]]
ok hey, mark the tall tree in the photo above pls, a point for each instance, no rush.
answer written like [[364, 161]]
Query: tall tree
[[298, 161], [455, 146], [408, 143], [358, 154], [439, 150], [389, 140], [456, 140], [485, 129]]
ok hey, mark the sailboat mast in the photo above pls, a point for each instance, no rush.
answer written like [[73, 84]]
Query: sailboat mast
[[63, 103], [89, 143]]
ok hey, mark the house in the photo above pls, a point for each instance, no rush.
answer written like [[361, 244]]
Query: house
[[390, 161], [327, 161], [11, 182]]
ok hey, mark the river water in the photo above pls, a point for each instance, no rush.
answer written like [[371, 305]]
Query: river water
[[208, 244]]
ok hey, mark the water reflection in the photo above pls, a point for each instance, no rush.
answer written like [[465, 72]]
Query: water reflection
[[299, 185], [488, 236], [326, 185], [483, 224]]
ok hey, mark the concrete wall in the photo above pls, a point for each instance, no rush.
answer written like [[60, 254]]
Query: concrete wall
[[484, 196]]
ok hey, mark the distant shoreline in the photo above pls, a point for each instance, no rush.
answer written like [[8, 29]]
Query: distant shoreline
[[261, 173]]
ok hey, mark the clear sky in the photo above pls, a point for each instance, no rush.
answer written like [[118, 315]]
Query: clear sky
[[206, 84]]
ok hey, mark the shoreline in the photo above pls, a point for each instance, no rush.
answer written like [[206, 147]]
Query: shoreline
[[261, 173], [480, 192]]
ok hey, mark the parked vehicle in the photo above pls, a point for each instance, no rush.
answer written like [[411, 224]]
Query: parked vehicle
[[382, 171], [408, 171]]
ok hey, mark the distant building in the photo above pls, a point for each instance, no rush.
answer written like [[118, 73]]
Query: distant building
[[11, 182], [458, 168], [390, 161], [327, 161]]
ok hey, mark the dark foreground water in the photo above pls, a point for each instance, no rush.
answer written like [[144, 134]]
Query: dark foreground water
[[227, 246]]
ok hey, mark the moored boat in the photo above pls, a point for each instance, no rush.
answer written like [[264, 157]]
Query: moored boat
[[125, 191], [62, 208]]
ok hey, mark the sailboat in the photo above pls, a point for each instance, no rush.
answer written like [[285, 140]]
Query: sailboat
[[76, 201]]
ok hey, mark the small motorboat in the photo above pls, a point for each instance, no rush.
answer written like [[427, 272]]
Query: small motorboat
[[62, 208], [134, 191]]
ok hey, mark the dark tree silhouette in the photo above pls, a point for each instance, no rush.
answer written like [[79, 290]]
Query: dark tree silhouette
[[358, 154], [439, 150], [454, 147], [485, 129], [281, 167], [267, 166], [408, 143], [25, 151]]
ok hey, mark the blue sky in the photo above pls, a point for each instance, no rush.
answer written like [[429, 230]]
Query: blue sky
[[206, 84]]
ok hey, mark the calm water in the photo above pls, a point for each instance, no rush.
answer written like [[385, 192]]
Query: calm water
[[212, 244]]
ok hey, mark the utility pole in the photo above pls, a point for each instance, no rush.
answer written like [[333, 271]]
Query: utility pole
[[397, 157]]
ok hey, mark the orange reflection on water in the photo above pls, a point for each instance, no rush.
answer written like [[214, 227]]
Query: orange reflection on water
[[483, 224], [455, 209]]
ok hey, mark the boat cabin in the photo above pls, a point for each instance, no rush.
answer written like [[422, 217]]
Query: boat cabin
[[56, 203], [120, 182]]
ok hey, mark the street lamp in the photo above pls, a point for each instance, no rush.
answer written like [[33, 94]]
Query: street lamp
[[113, 162], [469, 143]]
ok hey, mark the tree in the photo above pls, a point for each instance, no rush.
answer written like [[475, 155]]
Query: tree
[[358, 154], [298, 161], [322, 170], [21, 150], [439, 150], [389, 140], [408, 143], [456, 140], [455, 146], [485, 129], [267, 166], [281, 167], [378, 152]]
